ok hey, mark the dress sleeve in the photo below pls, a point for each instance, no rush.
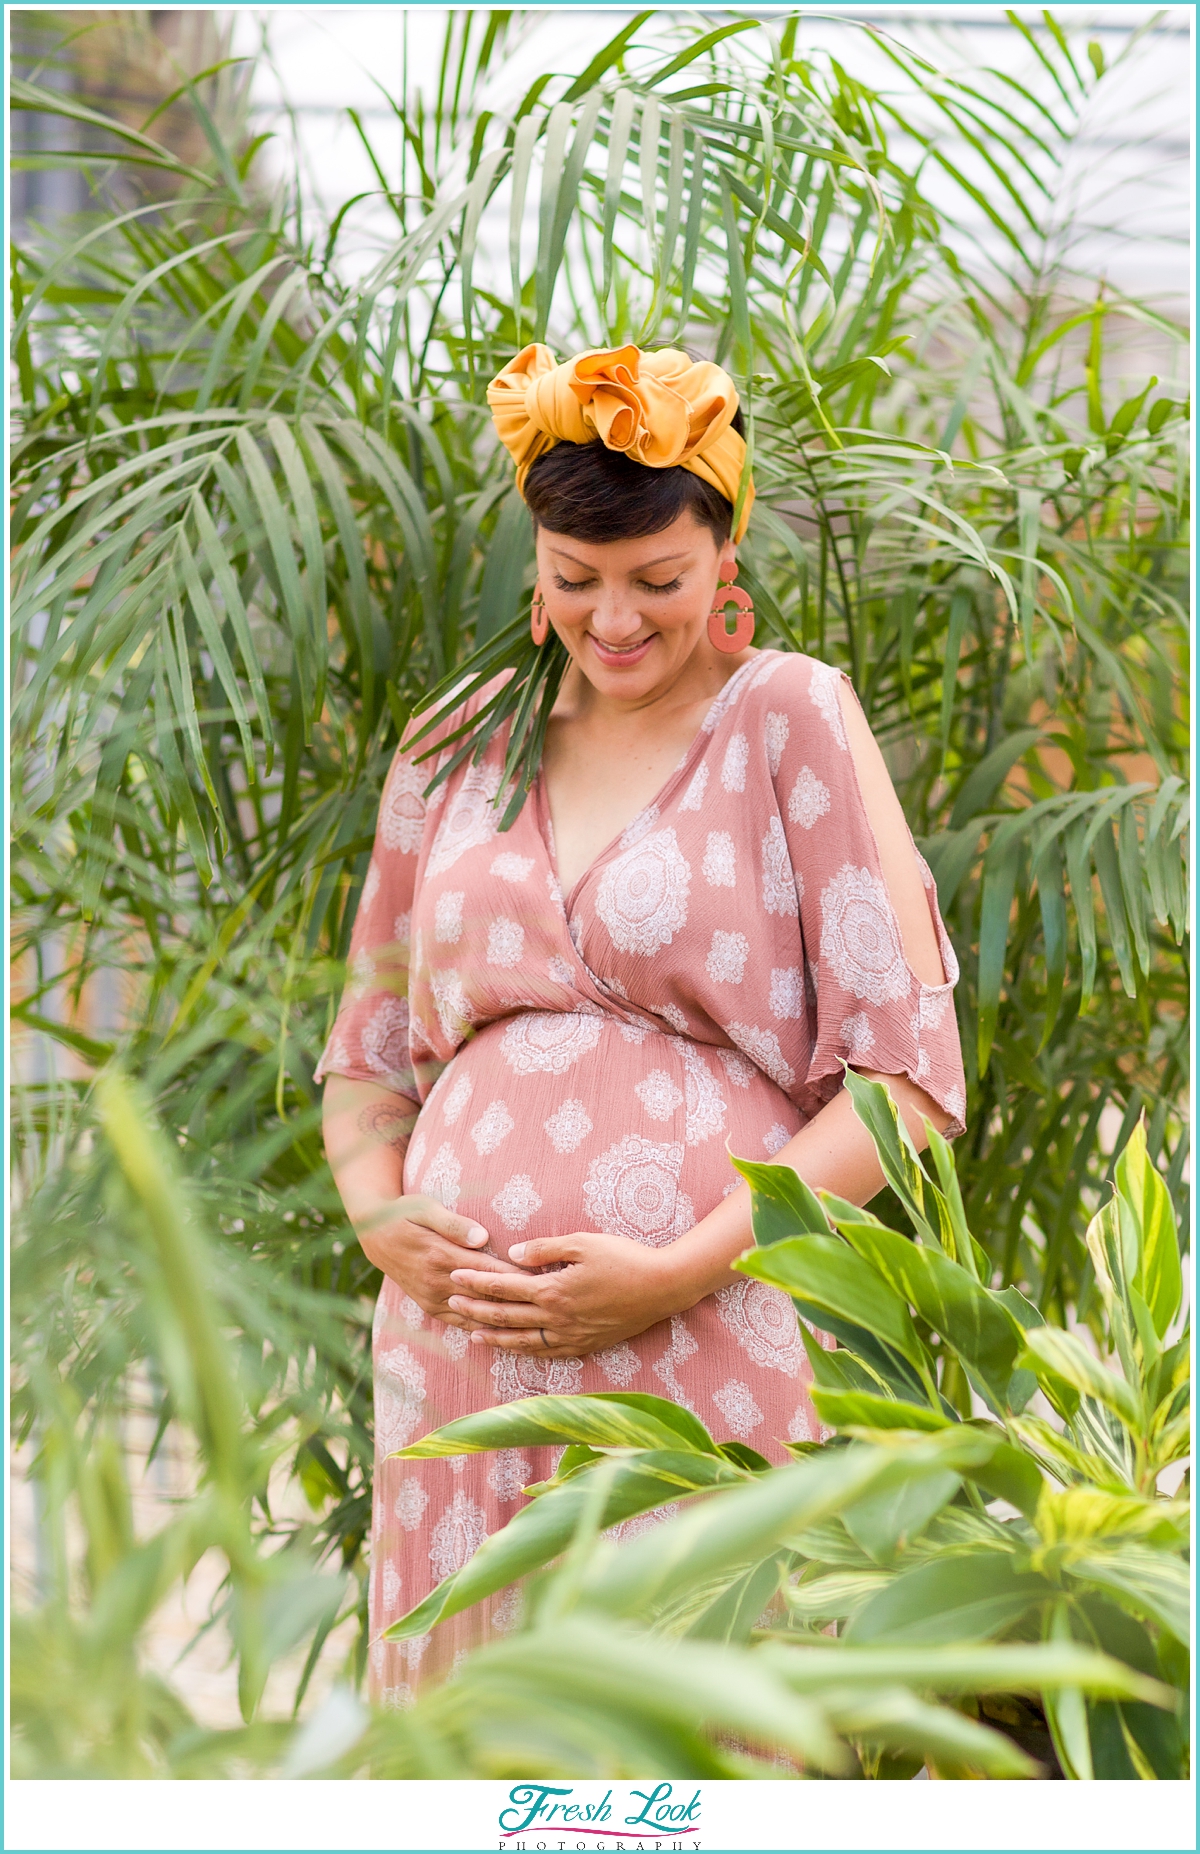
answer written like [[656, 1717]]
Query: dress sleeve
[[369, 1041], [866, 1004]]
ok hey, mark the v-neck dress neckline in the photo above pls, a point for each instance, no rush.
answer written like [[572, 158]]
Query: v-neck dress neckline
[[721, 703]]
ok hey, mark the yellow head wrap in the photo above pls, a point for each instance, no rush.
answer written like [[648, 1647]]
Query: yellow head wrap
[[661, 409]]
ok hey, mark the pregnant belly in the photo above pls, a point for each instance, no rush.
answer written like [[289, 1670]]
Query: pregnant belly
[[554, 1122]]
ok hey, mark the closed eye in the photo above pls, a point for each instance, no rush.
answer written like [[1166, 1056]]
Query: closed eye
[[570, 585], [672, 585]]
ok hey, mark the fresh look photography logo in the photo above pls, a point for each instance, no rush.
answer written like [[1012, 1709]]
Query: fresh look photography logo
[[570, 1815]]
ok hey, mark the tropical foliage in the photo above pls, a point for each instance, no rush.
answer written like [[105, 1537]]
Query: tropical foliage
[[258, 514]]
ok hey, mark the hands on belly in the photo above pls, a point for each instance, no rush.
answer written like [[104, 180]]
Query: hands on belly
[[418, 1244], [602, 1289]]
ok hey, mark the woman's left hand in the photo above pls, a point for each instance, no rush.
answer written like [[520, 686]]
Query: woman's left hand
[[606, 1289]]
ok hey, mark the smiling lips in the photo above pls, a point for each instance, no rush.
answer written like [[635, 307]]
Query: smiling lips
[[623, 655]]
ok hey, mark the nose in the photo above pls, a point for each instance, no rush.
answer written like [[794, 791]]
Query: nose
[[615, 618]]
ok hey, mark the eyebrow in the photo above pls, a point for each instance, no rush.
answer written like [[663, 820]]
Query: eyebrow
[[644, 568]]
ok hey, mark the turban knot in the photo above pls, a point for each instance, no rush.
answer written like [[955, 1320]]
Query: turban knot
[[661, 409]]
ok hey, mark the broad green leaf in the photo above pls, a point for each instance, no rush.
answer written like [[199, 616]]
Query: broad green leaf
[[967, 1596], [842, 1410], [542, 1530], [1143, 1196], [896, 1511], [1047, 1349], [833, 1596], [826, 1272], [1147, 1583], [741, 1528], [606, 1419], [875, 1107], [968, 1667], [968, 1317], [782, 1204]]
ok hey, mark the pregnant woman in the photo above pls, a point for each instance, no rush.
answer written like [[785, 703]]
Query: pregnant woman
[[553, 1037]]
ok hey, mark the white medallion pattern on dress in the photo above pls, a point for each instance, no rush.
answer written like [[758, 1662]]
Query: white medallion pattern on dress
[[763, 1321], [447, 917], [643, 895], [457, 1099], [516, 1202], [736, 1403], [568, 1126], [458, 1534], [399, 1399], [693, 798], [619, 1363], [411, 1314], [633, 1190], [385, 1039], [775, 738], [787, 991], [825, 693], [860, 938], [781, 885], [510, 867], [361, 973], [505, 942], [762, 1046], [508, 1472], [415, 1155], [719, 867], [520, 1374], [391, 1586], [471, 819], [402, 813], [443, 1176], [493, 1126], [659, 1095], [706, 1106], [733, 766], [509, 1610], [456, 1013], [675, 1017], [559, 970], [727, 957], [639, 826], [740, 1072], [635, 1031], [411, 1501], [641, 1523], [370, 887], [681, 1347], [858, 1036], [455, 1341], [775, 1139], [800, 1428], [548, 1042], [810, 799], [955, 1103]]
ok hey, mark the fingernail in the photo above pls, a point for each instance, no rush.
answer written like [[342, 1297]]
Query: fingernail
[[516, 1252], [476, 1235], [455, 1302], [478, 1339]]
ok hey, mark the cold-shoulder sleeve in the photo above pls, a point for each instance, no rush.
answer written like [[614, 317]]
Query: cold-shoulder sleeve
[[369, 1041], [868, 1006]]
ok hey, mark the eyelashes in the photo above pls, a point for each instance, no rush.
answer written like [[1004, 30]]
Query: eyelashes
[[581, 585]]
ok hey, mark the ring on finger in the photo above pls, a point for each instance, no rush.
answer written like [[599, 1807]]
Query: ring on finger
[[545, 1341]]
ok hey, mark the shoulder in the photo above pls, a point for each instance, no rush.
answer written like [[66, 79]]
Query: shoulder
[[793, 696]]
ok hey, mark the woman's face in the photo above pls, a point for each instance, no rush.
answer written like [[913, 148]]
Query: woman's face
[[633, 614]]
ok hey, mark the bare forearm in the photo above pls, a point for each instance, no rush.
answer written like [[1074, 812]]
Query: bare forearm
[[367, 1128], [834, 1152]]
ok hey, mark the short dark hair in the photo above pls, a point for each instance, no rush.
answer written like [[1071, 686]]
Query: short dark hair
[[594, 494]]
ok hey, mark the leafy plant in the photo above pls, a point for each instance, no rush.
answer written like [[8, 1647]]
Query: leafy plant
[[258, 514], [950, 1551]]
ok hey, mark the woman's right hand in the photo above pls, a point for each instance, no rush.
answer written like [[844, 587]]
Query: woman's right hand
[[417, 1243]]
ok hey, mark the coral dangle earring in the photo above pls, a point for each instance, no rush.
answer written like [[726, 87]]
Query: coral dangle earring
[[719, 634], [539, 623]]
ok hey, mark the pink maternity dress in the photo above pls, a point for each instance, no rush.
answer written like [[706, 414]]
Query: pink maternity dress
[[582, 1062]]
